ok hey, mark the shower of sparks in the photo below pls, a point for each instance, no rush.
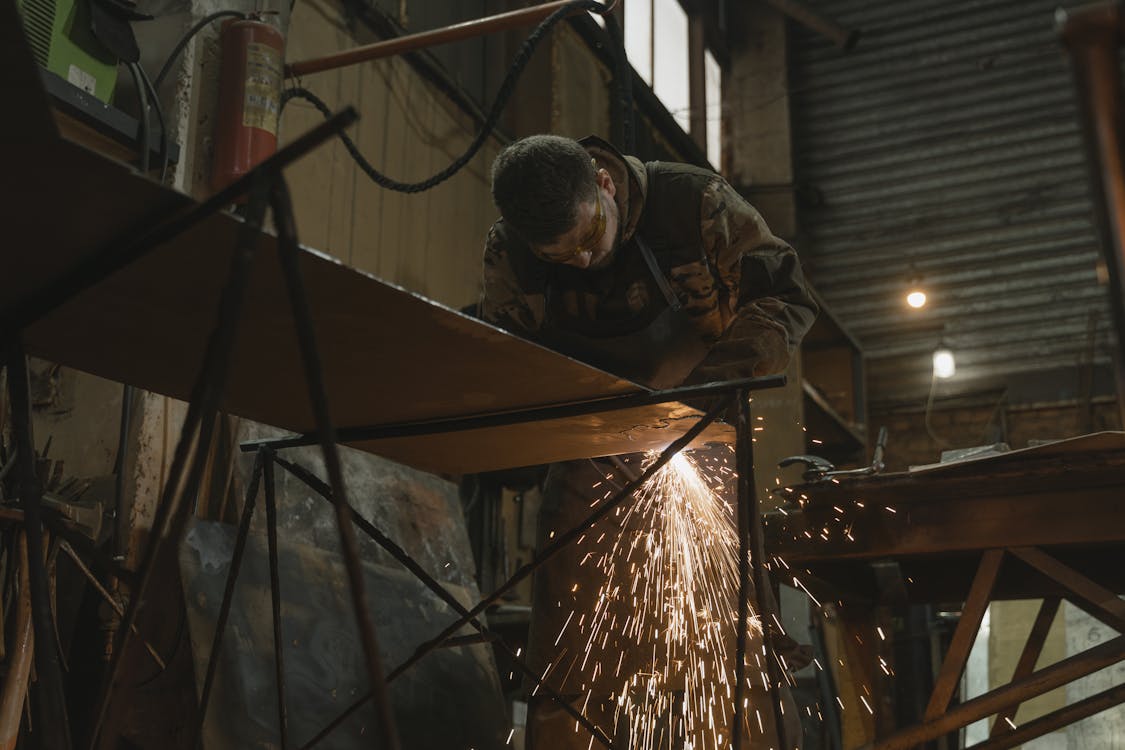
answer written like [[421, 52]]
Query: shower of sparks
[[659, 640]]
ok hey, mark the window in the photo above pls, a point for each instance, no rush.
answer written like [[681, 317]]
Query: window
[[670, 66], [714, 98], [638, 37], [657, 44]]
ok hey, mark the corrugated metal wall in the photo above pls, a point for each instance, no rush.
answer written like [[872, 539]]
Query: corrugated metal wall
[[947, 147]]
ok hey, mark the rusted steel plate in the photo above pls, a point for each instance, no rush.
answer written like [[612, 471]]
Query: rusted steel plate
[[388, 355]]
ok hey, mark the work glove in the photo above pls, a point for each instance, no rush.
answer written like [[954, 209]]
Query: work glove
[[754, 346]]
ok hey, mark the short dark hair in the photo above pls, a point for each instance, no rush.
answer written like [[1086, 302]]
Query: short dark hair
[[538, 183]]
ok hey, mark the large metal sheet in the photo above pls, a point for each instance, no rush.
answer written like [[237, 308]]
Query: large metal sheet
[[451, 699], [389, 356], [1068, 496]]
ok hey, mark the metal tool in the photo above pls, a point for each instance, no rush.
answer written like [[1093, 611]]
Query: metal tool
[[818, 469]]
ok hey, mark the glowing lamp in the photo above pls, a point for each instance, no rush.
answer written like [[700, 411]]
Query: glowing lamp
[[916, 298], [944, 366]]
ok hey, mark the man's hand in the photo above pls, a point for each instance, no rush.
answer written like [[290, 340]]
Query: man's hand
[[753, 349]]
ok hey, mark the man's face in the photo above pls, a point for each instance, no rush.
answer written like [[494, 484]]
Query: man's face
[[595, 237]]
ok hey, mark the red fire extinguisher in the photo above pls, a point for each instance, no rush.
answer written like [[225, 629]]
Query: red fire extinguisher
[[249, 98]]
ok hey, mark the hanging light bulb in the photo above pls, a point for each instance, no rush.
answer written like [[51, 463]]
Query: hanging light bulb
[[916, 298], [944, 365]]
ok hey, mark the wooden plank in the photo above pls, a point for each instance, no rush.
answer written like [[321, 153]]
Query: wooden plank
[[971, 615], [1026, 665], [1040, 682], [1090, 596]]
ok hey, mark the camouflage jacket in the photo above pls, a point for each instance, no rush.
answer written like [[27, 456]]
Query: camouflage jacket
[[741, 286]]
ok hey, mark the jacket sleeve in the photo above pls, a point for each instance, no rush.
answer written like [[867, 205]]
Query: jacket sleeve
[[504, 302], [766, 304]]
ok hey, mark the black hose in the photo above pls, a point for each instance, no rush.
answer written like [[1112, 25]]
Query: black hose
[[187, 37], [502, 96]]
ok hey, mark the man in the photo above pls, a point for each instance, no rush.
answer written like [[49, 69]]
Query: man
[[657, 272], [662, 274]]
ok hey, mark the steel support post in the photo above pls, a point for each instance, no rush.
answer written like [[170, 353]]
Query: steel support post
[[176, 502], [275, 596], [288, 251], [752, 562], [228, 597], [53, 721]]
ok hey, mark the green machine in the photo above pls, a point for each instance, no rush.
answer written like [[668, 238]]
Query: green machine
[[61, 37]]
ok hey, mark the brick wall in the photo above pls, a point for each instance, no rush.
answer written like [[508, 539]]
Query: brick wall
[[909, 442]]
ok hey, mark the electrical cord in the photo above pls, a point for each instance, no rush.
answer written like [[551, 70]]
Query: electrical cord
[[503, 95], [199, 26], [159, 112], [142, 97], [941, 442]]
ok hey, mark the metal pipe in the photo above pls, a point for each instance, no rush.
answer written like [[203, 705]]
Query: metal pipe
[[52, 707], [523, 416], [398, 553], [275, 598], [1092, 36], [143, 238], [288, 252], [228, 597], [455, 33], [19, 659], [170, 518]]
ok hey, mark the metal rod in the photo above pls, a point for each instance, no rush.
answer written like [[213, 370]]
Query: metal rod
[[275, 597], [399, 554], [52, 705], [454, 33], [524, 416], [142, 239], [1043, 681], [752, 540], [108, 597], [1055, 720], [19, 659], [744, 464], [1026, 664], [288, 251], [228, 597], [196, 431], [561, 541], [763, 586]]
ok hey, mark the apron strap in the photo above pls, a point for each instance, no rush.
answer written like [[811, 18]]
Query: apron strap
[[661, 280]]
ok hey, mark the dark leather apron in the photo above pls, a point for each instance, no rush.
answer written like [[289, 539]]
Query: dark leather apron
[[658, 354]]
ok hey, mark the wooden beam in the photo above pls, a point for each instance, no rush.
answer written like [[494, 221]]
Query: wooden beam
[[1055, 720], [971, 615], [1038, 683], [1092, 597], [1026, 665]]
